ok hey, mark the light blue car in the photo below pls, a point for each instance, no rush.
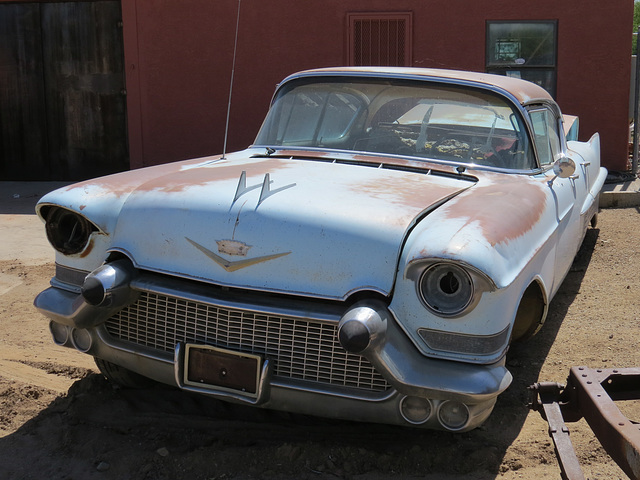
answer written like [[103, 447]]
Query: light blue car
[[371, 257]]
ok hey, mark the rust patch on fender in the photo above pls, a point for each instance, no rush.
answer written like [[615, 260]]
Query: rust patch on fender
[[124, 183], [178, 177], [505, 209], [220, 172], [412, 191], [88, 249]]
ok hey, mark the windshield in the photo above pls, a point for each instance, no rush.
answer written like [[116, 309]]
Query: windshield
[[407, 118]]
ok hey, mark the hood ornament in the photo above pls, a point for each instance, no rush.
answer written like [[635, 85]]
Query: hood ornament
[[265, 188], [229, 265]]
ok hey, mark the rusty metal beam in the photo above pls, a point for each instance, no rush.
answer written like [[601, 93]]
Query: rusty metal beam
[[546, 398], [596, 392], [591, 393]]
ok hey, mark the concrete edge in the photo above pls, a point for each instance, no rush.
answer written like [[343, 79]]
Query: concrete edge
[[620, 195]]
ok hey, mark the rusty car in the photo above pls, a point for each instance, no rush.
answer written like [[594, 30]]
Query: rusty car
[[370, 257]]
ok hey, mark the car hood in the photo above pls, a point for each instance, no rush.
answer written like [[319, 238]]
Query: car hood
[[316, 228]]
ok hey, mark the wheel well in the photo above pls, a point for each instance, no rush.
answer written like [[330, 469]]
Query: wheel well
[[531, 314]]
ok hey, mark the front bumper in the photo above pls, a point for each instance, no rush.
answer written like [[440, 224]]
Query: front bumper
[[311, 384]]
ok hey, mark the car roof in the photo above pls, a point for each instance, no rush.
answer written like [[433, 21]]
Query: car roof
[[525, 92]]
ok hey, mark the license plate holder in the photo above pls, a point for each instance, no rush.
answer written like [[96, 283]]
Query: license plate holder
[[222, 369]]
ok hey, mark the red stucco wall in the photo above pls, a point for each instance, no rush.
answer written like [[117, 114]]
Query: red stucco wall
[[179, 58]]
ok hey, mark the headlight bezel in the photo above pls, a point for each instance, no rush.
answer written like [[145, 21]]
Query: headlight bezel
[[68, 231], [433, 270]]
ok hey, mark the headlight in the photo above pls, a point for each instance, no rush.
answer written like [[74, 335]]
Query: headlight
[[446, 288], [67, 231]]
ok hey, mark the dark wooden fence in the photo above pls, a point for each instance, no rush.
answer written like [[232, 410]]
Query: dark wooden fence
[[62, 93]]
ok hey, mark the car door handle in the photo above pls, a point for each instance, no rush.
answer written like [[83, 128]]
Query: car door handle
[[586, 164]]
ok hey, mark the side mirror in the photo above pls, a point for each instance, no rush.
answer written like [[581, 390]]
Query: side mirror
[[564, 167]]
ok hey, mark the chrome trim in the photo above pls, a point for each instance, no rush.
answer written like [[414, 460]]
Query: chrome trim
[[69, 308], [472, 300], [451, 429], [75, 289], [455, 342], [432, 410], [275, 382], [133, 349], [402, 368], [113, 283], [70, 276], [334, 391], [303, 346], [283, 397], [345, 157], [249, 300]]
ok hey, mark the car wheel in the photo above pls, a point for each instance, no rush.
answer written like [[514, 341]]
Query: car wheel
[[121, 376], [530, 315]]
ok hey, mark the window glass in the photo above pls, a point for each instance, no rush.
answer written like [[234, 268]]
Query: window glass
[[524, 43], [406, 118], [526, 50], [545, 129], [554, 138], [312, 115]]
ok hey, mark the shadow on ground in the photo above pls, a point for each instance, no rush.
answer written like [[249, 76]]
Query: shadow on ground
[[96, 431]]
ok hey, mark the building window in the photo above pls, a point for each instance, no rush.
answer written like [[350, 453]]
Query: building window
[[525, 50], [381, 39]]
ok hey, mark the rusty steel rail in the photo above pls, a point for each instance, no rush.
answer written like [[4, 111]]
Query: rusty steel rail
[[591, 394]]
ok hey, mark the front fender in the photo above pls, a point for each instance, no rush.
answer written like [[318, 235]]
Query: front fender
[[505, 233]]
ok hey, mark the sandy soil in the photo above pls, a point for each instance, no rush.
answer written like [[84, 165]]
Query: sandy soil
[[59, 419]]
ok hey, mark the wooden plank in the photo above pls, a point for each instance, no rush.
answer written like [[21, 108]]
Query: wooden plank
[[84, 84], [23, 139]]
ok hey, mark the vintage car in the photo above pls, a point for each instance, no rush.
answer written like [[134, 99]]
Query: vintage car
[[371, 257]]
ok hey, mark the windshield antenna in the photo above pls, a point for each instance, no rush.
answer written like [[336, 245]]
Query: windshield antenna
[[233, 68]]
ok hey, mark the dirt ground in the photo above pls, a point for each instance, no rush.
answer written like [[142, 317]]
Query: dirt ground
[[59, 419]]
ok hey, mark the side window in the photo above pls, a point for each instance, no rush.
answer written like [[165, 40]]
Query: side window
[[545, 131]]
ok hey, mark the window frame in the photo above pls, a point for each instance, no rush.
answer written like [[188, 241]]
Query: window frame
[[552, 122]]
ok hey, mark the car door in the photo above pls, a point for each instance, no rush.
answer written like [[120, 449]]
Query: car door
[[565, 192]]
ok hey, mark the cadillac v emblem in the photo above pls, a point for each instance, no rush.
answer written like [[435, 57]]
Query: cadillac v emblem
[[232, 247]]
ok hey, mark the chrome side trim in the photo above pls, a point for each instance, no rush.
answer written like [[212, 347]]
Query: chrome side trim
[[248, 301]]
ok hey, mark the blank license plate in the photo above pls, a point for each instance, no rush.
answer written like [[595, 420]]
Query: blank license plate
[[217, 368]]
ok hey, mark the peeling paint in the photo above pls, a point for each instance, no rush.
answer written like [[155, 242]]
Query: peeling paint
[[497, 208], [87, 249]]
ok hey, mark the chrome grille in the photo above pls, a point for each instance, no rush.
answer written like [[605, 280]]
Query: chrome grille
[[300, 348]]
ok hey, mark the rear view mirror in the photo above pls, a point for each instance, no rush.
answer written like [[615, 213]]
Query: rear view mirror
[[564, 167]]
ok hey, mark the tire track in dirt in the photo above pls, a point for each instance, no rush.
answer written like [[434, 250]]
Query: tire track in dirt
[[19, 372]]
